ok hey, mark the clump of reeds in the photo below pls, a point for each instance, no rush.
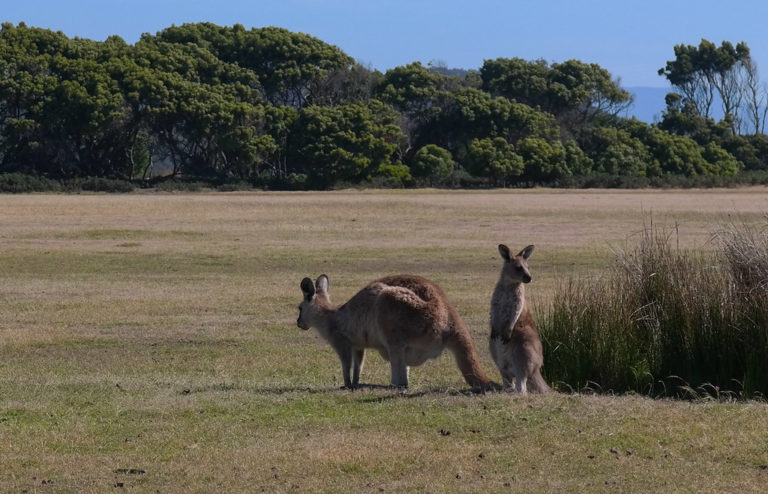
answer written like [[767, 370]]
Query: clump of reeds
[[667, 321]]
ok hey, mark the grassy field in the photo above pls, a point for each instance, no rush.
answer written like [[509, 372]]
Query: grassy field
[[148, 343]]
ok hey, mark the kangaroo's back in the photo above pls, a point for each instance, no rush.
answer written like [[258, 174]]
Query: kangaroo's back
[[396, 303], [426, 290]]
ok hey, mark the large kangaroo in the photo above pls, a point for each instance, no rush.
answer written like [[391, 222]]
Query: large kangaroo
[[408, 319], [515, 343]]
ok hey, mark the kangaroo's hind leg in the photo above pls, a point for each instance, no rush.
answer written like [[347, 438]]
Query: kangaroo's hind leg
[[506, 383], [398, 367], [345, 356], [358, 360], [521, 384]]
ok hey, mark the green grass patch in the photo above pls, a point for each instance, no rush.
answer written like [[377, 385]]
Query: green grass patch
[[127, 234]]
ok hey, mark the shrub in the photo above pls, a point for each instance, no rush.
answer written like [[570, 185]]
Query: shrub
[[20, 183], [234, 186], [389, 175], [181, 186], [97, 184], [495, 159], [544, 160], [433, 162], [666, 320], [460, 178]]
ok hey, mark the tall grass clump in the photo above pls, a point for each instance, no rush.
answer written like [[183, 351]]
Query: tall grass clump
[[666, 321]]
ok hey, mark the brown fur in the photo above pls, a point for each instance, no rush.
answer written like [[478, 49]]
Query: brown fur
[[515, 344], [407, 318]]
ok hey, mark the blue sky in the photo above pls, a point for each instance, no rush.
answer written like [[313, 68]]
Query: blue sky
[[632, 39]]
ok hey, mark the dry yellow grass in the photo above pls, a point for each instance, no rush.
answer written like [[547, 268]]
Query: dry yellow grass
[[157, 332]]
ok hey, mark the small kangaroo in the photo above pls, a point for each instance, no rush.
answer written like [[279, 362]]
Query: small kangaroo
[[515, 344], [407, 318]]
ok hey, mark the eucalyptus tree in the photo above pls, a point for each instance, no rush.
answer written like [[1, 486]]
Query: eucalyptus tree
[[615, 152], [577, 93], [755, 97], [291, 67], [473, 114], [673, 154], [344, 144], [702, 72], [420, 95], [61, 112]]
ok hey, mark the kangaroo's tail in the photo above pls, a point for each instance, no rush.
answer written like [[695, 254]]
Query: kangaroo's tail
[[537, 384], [468, 362]]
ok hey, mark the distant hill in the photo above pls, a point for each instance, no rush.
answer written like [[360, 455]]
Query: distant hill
[[443, 70]]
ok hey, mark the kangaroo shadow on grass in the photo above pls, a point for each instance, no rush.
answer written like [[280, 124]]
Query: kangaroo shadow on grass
[[363, 390], [258, 390], [281, 390], [397, 394]]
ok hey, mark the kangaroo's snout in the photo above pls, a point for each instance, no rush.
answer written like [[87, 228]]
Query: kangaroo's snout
[[301, 324], [526, 278]]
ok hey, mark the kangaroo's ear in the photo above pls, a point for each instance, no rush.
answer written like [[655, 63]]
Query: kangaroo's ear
[[307, 288], [504, 251], [322, 284], [526, 253]]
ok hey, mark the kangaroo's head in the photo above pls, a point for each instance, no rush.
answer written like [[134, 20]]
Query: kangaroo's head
[[515, 268], [314, 303]]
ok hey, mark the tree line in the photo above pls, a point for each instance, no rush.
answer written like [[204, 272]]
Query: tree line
[[277, 109]]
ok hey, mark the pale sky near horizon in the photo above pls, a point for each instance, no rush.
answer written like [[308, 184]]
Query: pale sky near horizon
[[632, 39]]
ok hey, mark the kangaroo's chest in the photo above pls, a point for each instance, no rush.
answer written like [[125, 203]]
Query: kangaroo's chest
[[506, 308]]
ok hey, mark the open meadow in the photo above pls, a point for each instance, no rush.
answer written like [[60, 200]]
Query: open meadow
[[148, 342]]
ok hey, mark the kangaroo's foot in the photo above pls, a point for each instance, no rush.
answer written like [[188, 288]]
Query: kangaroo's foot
[[351, 387], [488, 386]]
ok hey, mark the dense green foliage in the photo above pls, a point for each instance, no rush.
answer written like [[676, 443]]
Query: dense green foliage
[[666, 320], [273, 108]]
